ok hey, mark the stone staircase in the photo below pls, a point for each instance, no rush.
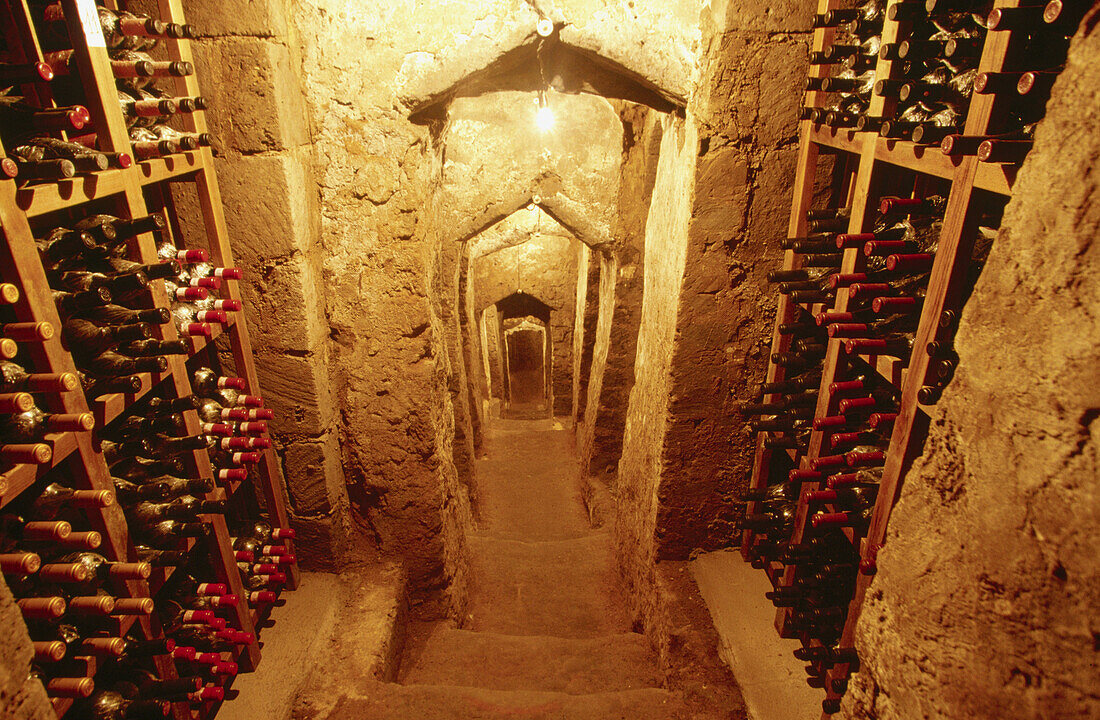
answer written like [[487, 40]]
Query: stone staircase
[[545, 636]]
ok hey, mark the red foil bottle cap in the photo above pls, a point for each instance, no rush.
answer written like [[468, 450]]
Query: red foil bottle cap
[[284, 533], [227, 305], [228, 273], [827, 461], [207, 282], [212, 589], [231, 382], [856, 403], [225, 668], [209, 693], [211, 316], [192, 256], [226, 601], [208, 658], [251, 401], [184, 653], [845, 386], [827, 519], [259, 443], [244, 555], [842, 480], [217, 429], [252, 428], [261, 414], [191, 293], [198, 616], [829, 421], [199, 329], [233, 474], [865, 458]]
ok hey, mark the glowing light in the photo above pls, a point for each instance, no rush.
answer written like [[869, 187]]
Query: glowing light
[[544, 118]]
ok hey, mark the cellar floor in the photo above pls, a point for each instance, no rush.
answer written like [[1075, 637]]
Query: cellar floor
[[545, 635], [772, 680]]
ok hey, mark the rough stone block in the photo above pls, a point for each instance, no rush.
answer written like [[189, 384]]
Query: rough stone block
[[721, 195], [776, 16], [771, 202], [253, 87], [783, 74], [265, 210], [313, 475], [297, 389], [258, 18]]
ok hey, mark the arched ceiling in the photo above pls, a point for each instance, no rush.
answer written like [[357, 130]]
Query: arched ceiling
[[642, 51], [516, 229], [521, 305], [497, 161]]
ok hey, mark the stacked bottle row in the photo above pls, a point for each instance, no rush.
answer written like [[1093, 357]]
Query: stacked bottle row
[[77, 606], [75, 601], [814, 568], [929, 74], [47, 127], [108, 322]]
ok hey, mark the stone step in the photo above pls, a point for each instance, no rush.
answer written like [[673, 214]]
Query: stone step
[[443, 655], [563, 588], [381, 701]]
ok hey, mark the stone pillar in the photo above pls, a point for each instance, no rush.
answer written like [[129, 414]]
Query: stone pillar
[[640, 469], [21, 698], [642, 133], [746, 106], [583, 256]]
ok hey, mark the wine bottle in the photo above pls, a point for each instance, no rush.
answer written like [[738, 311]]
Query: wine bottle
[[185, 508], [167, 534], [27, 331], [88, 340], [44, 149], [62, 245], [153, 347], [109, 364], [20, 119], [112, 705], [98, 387], [15, 378], [64, 687]]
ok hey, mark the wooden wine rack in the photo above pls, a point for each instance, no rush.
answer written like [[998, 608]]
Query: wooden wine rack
[[870, 166], [129, 193]]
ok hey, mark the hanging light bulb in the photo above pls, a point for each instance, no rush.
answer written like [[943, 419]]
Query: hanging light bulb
[[544, 116]]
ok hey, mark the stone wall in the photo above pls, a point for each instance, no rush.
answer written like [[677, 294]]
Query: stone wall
[[641, 147], [21, 698], [248, 66], [746, 104], [988, 591], [583, 260], [666, 241]]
